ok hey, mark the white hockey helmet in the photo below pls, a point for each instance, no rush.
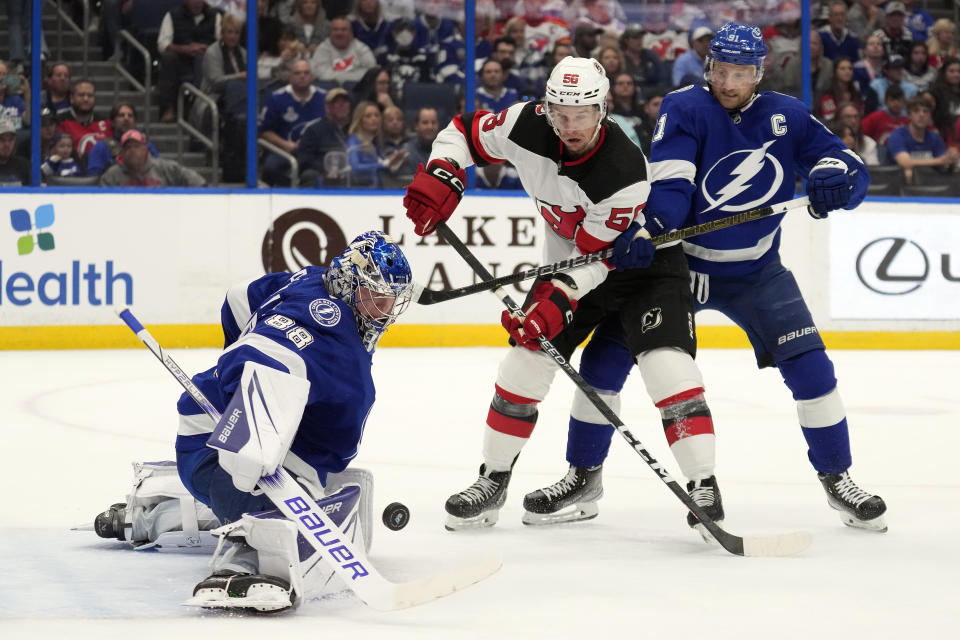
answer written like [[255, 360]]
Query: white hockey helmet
[[577, 82]]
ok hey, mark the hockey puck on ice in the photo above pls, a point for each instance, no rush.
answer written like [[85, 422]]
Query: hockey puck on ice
[[396, 516]]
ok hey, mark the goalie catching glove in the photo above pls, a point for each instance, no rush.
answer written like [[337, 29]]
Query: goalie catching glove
[[433, 194], [551, 309], [829, 187]]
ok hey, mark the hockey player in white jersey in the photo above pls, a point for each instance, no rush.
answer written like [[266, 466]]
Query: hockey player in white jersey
[[309, 338], [726, 148], [589, 184]]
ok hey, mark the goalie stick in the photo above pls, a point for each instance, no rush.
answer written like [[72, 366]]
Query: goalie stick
[[349, 561], [427, 296], [775, 545]]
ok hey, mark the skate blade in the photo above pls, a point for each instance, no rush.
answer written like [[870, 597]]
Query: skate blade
[[260, 605], [573, 513], [878, 524], [705, 534], [83, 527], [485, 519], [267, 600]]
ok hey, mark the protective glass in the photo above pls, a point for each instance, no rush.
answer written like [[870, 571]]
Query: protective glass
[[724, 75], [572, 118]]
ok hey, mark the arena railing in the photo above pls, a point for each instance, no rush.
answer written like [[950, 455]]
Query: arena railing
[[211, 143], [64, 18], [147, 86]]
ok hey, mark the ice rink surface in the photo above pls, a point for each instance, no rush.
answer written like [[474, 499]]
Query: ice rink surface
[[74, 421]]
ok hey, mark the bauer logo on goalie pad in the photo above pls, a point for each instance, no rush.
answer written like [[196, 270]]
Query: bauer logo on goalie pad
[[325, 312]]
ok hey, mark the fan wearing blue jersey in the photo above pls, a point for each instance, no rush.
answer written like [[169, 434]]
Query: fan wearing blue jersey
[[309, 337], [725, 148], [283, 119]]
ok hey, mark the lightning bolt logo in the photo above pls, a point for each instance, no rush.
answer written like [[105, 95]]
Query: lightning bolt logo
[[746, 170], [741, 178]]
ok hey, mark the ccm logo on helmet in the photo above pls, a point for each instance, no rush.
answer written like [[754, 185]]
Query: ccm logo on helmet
[[571, 78]]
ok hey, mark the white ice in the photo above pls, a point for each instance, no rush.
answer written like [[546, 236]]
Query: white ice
[[74, 421]]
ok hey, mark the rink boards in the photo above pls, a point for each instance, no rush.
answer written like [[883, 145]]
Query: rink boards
[[884, 276]]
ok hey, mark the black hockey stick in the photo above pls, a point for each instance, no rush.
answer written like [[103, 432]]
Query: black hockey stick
[[776, 545], [432, 297]]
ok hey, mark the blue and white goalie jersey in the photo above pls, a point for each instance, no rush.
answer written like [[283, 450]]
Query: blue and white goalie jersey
[[706, 164], [290, 322]]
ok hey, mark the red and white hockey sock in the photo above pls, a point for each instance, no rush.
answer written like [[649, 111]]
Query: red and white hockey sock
[[688, 427], [510, 422]]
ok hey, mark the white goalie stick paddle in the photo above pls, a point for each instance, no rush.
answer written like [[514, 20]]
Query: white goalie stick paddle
[[775, 545], [428, 296], [348, 560]]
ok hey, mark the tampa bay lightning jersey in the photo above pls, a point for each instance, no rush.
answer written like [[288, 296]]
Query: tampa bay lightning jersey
[[290, 322], [706, 163], [287, 117]]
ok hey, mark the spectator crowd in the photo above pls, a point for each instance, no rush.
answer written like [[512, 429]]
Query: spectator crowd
[[353, 92]]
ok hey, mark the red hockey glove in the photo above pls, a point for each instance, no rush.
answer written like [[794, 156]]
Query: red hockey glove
[[433, 195], [549, 311]]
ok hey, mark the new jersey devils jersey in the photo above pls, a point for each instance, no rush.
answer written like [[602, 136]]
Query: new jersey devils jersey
[[585, 203]]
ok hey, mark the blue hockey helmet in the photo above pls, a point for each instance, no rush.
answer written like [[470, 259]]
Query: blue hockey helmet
[[372, 276], [739, 44]]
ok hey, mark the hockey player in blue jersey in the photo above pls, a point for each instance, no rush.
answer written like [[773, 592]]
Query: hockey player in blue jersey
[[320, 325], [725, 148]]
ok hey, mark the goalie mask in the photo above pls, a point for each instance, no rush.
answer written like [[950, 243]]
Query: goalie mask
[[576, 82], [372, 276]]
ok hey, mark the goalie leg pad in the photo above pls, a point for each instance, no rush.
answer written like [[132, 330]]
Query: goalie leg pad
[[283, 554], [161, 514], [308, 478], [362, 478]]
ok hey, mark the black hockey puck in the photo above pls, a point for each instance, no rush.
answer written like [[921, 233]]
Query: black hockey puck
[[396, 516]]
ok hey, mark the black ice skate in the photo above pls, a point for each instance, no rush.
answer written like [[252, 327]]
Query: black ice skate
[[238, 591], [479, 504], [571, 499], [109, 524], [706, 495], [857, 507]]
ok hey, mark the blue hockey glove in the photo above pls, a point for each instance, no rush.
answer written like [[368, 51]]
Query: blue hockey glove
[[828, 187], [654, 224], [632, 249]]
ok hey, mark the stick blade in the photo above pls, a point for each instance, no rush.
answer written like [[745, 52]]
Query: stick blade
[[416, 592], [786, 544]]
